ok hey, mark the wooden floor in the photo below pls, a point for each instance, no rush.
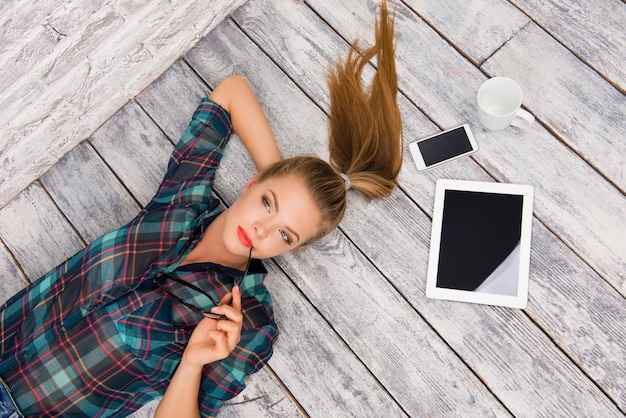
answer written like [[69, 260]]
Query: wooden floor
[[358, 336]]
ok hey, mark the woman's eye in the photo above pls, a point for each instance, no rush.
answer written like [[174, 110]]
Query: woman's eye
[[285, 237], [266, 203]]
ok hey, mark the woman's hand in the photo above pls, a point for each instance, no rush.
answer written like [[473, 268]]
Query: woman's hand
[[214, 340], [210, 341]]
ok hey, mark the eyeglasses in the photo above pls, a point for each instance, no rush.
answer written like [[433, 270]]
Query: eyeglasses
[[160, 278]]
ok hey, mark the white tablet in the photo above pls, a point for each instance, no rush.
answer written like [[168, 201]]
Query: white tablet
[[480, 243]]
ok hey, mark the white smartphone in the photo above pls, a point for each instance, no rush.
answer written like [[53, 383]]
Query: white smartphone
[[442, 147]]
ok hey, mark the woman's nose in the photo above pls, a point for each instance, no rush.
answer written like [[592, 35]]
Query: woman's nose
[[260, 229]]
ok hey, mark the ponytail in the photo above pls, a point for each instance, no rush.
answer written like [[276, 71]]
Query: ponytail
[[365, 140], [365, 125]]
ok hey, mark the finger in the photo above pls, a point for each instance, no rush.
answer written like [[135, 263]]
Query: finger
[[229, 312], [229, 326], [202, 329], [236, 298], [232, 332], [218, 348], [226, 299], [221, 345], [204, 326]]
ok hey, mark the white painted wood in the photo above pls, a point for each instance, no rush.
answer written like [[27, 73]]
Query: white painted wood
[[178, 88], [78, 81], [567, 299], [135, 149], [568, 340], [36, 232], [12, 279], [589, 113], [88, 194], [262, 398], [318, 367], [594, 30], [476, 27], [257, 24]]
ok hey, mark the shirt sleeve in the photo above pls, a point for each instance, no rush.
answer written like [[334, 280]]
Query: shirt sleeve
[[224, 379], [192, 165]]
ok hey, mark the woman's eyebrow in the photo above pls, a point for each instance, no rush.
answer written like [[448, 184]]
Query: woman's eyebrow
[[291, 231]]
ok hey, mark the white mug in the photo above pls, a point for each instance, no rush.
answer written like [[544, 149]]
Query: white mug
[[499, 101]]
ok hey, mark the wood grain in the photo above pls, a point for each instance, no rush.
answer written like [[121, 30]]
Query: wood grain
[[593, 30], [12, 280], [93, 67], [88, 194], [256, 24], [359, 337], [477, 27], [37, 234], [443, 84], [589, 114], [135, 149]]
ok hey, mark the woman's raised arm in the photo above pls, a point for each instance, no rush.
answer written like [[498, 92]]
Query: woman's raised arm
[[249, 121]]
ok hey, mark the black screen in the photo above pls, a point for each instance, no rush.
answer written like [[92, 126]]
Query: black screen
[[480, 233], [445, 146]]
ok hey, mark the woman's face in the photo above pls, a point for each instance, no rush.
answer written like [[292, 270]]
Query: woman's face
[[271, 217]]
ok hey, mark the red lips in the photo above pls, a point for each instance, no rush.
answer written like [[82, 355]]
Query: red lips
[[243, 237]]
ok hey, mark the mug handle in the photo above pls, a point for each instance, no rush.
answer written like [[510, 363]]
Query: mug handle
[[522, 119]]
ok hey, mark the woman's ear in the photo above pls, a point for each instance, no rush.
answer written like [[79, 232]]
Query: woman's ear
[[251, 182]]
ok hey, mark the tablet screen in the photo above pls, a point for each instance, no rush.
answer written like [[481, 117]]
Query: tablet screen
[[479, 236]]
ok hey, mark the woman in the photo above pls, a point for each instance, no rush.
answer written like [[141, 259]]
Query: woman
[[173, 303]]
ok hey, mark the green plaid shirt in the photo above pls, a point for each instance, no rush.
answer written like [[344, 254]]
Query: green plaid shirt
[[95, 337]]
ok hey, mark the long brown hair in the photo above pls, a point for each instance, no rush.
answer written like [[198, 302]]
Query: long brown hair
[[365, 141]]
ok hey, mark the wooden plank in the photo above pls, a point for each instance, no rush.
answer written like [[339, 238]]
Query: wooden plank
[[298, 321], [94, 73], [88, 194], [308, 345], [359, 309], [476, 27], [444, 85], [12, 280], [589, 113], [17, 56], [30, 226], [68, 31], [571, 316], [262, 398], [135, 149], [181, 89], [593, 30], [284, 51]]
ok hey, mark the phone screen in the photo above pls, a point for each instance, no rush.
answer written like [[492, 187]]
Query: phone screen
[[444, 146]]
